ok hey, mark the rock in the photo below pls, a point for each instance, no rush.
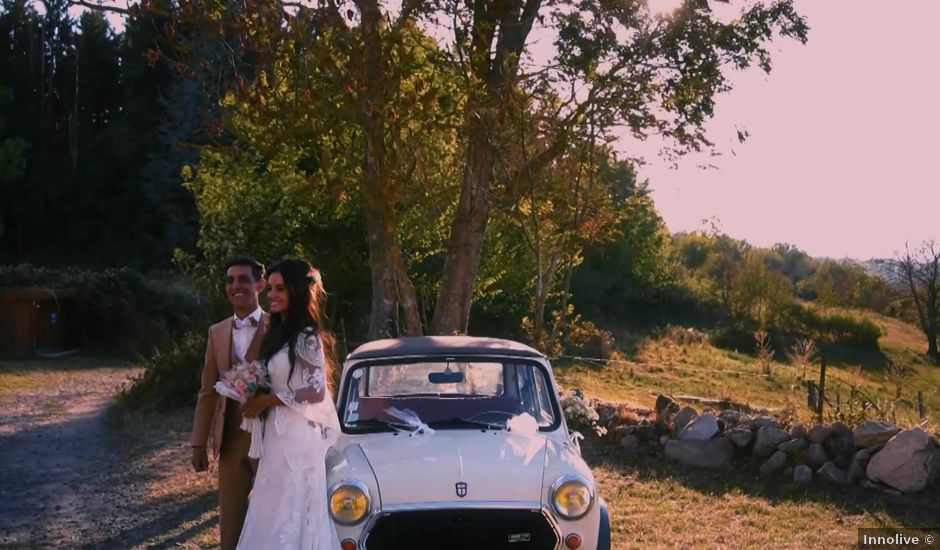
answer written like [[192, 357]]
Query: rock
[[839, 428], [841, 449], [764, 422], [605, 412], [645, 431], [802, 475], [767, 439], [798, 432], [908, 462], [630, 444], [732, 418], [704, 426], [793, 446], [665, 405], [776, 463], [682, 418], [856, 471], [622, 430], [871, 433], [712, 453], [819, 433], [831, 473], [741, 437], [816, 456]]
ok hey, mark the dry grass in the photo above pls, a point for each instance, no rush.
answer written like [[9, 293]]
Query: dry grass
[[656, 504], [669, 367]]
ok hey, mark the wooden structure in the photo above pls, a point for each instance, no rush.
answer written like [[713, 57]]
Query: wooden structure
[[36, 319]]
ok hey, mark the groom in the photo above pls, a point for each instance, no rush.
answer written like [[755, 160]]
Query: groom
[[216, 420]]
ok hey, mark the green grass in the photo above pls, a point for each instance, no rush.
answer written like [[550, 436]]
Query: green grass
[[662, 365]]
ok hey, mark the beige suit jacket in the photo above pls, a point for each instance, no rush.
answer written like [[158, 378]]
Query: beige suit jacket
[[209, 418]]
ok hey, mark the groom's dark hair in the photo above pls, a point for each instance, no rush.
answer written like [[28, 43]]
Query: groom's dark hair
[[257, 268]]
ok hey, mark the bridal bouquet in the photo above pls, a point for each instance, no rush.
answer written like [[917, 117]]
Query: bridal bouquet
[[241, 383]]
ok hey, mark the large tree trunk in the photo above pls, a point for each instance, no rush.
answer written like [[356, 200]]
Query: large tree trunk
[[498, 37], [452, 311], [391, 286]]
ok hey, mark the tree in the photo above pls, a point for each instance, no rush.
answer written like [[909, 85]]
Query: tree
[[919, 272], [757, 293], [622, 64]]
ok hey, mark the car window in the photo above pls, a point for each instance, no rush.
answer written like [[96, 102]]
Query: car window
[[476, 378], [448, 394]]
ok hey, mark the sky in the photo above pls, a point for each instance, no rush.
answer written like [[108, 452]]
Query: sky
[[842, 155]]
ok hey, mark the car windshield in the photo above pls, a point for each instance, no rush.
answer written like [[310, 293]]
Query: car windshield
[[447, 394]]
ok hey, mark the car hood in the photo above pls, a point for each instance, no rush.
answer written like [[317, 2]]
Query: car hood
[[495, 466]]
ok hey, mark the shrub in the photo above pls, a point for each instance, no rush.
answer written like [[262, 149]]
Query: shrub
[[584, 339], [836, 328], [579, 413], [120, 311], [170, 378]]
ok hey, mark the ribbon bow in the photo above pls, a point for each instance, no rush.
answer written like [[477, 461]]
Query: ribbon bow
[[246, 322]]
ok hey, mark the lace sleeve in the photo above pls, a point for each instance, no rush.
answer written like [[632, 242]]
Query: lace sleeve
[[309, 352], [307, 394]]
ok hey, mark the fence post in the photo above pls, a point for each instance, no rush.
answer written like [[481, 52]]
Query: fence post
[[822, 386], [921, 408]]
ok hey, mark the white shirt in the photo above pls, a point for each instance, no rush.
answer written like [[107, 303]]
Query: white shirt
[[243, 331]]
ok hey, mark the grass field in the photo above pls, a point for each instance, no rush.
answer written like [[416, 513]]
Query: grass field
[[665, 365], [655, 503]]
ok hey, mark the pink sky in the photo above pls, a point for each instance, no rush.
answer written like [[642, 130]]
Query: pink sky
[[841, 158]]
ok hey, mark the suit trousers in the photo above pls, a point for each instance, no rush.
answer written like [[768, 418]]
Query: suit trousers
[[236, 472]]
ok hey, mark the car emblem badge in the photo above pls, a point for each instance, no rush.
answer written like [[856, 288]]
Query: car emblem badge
[[461, 489], [520, 537]]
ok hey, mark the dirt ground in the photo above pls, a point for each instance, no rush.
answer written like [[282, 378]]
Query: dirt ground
[[71, 475]]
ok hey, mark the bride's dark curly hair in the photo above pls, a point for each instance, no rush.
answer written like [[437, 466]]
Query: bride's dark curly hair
[[306, 297]]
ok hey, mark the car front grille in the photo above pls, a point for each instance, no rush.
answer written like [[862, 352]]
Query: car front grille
[[463, 530]]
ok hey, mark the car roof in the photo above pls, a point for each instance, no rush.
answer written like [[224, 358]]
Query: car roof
[[443, 346]]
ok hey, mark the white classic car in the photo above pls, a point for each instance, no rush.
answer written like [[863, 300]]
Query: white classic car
[[456, 443]]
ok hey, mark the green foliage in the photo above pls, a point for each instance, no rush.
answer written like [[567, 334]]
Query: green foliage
[[845, 283], [757, 294], [119, 311], [835, 328], [170, 378], [632, 271]]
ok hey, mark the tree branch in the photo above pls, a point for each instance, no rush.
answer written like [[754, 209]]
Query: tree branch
[[99, 7]]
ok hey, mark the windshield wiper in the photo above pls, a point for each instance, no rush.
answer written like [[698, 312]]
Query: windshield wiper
[[377, 423], [463, 422]]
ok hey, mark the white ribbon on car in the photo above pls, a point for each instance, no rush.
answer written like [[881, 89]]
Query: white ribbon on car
[[409, 418], [522, 437]]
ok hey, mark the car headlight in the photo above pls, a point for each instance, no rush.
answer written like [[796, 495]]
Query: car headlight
[[571, 497], [349, 502]]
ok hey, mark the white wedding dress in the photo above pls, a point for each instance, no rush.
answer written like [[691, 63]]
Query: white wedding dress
[[288, 508]]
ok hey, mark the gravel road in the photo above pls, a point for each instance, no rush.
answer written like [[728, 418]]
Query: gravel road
[[73, 476]]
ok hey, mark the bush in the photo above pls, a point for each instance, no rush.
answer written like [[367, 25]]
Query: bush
[[170, 378], [120, 311], [835, 328], [579, 413], [584, 339]]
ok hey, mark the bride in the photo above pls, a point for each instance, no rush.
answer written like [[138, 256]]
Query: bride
[[288, 507]]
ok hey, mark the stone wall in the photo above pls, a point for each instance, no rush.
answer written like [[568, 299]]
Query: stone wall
[[872, 454]]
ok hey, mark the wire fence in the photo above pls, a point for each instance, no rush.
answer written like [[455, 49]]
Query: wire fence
[[817, 396]]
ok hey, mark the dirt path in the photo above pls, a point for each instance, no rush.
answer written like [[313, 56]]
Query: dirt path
[[70, 477]]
